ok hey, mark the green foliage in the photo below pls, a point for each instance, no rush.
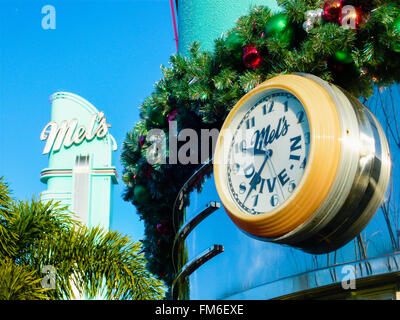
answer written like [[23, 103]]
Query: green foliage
[[19, 282], [7, 238], [95, 261], [91, 262], [204, 86]]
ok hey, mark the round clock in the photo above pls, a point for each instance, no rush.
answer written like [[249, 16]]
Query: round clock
[[301, 162]]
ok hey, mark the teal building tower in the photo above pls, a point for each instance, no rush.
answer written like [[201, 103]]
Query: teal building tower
[[80, 172]]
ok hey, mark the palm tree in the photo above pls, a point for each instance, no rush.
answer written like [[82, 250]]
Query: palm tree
[[36, 237]]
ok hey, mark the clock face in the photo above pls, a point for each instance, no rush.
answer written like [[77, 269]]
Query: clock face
[[268, 152]]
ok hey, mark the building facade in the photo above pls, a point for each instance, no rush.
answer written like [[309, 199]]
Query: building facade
[[80, 150]]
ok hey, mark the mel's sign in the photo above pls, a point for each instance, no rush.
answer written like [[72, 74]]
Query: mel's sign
[[68, 133]]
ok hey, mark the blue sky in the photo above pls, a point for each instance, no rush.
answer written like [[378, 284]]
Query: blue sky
[[108, 52]]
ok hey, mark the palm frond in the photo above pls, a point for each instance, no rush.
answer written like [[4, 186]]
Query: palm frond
[[7, 237], [96, 261], [19, 282]]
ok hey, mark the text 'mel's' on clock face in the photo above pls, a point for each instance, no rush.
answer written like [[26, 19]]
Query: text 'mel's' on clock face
[[268, 153]]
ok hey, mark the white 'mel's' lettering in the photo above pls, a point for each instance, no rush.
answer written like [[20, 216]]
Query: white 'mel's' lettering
[[68, 133]]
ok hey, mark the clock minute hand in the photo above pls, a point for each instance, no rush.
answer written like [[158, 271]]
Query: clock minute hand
[[279, 182], [268, 154], [257, 176]]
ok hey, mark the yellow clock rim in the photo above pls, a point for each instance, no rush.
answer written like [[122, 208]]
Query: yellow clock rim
[[322, 164]]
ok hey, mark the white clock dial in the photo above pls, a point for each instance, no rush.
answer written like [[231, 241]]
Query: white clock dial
[[268, 153]]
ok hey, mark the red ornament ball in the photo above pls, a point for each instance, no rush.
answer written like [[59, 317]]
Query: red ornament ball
[[251, 57], [172, 115], [332, 10]]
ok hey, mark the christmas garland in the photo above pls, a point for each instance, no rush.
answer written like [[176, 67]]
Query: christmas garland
[[198, 91]]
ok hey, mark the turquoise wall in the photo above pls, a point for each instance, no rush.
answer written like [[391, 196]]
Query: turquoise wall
[[206, 20], [59, 175]]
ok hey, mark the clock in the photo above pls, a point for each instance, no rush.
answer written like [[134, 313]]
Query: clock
[[301, 162], [268, 152]]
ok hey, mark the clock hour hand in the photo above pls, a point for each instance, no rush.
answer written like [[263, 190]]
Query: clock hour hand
[[257, 151], [257, 176]]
